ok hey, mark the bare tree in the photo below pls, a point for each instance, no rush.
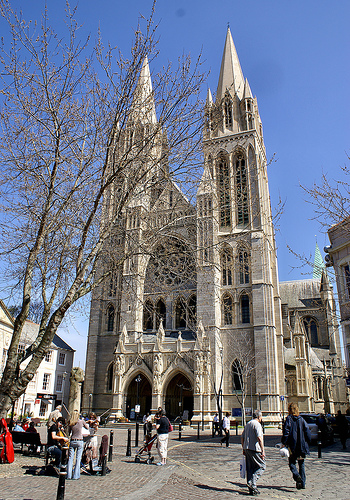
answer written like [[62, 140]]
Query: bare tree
[[68, 143]]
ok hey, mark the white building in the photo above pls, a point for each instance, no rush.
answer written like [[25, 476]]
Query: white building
[[50, 385]]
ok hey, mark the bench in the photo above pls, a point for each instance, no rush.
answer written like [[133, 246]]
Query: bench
[[30, 439]]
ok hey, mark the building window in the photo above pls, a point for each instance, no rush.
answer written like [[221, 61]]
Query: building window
[[42, 411], [110, 318], [311, 328], [243, 266], [3, 360], [192, 313], [227, 310], [160, 312], [226, 267], [20, 348], [237, 375], [59, 382], [347, 279], [113, 283], [228, 113], [245, 309], [224, 193], [148, 310], [110, 377], [180, 313], [46, 381], [48, 357], [61, 358], [241, 192]]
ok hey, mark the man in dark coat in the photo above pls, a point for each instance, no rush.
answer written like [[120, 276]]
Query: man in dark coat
[[297, 437]]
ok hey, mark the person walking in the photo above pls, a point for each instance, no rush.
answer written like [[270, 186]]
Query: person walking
[[162, 426], [226, 429], [76, 445], [252, 440], [215, 425], [297, 437]]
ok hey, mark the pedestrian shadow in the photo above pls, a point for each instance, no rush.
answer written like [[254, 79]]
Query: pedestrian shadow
[[214, 488], [262, 488]]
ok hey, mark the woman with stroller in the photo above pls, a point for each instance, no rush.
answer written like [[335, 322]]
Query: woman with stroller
[[162, 427], [76, 425]]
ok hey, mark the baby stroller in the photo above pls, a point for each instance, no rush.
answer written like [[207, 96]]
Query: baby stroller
[[146, 450]]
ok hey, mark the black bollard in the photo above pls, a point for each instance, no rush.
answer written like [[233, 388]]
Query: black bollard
[[180, 429], [198, 429], [202, 425], [319, 445], [61, 483], [212, 429], [137, 434], [110, 451], [236, 428], [128, 446], [104, 466]]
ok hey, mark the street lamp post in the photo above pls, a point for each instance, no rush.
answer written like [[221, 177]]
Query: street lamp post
[[137, 380]]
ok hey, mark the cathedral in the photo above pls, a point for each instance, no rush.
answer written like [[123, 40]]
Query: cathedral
[[195, 319]]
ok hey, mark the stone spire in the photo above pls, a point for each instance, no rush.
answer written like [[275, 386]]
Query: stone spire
[[231, 76], [247, 94], [143, 107]]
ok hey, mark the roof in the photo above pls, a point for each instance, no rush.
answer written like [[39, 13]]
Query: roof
[[58, 342], [294, 292]]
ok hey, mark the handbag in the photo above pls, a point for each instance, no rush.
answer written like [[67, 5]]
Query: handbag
[[242, 467], [85, 432], [171, 428]]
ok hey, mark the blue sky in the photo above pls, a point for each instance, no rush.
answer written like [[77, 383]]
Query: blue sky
[[296, 58]]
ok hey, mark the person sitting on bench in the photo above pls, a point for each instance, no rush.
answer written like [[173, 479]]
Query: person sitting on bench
[[55, 440]]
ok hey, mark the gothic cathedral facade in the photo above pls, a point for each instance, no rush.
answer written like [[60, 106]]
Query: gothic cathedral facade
[[194, 318]]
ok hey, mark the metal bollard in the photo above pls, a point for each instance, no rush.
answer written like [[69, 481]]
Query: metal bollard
[[198, 429], [180, 429], [61, 483], [202, 425], [137, 434], [104, 466], [110, 451], [236, 428], [319, 445], [128, 446]]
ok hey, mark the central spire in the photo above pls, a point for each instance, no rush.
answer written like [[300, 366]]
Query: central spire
[[231, 76], [143, 107]]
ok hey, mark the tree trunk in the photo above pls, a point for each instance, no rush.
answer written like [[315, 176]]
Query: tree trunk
[[5, 405]]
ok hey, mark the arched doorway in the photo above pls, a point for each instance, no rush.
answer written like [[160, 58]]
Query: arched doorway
[[179, 397], [139, 392]]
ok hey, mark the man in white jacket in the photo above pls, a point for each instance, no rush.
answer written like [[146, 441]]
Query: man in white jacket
[[253, 448]]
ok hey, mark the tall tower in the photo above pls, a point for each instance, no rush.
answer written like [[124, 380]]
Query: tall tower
[[237, 292]]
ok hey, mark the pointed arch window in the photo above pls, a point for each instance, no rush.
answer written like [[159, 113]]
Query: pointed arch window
[[237, 376], [245, 308], [210, 165], [243, 267], [160, 312], [224, 192], [110, 318], [311, 327], [226, 267], [241, 192], [148, 315], [227, 309], [228, 113], [110, 377], [180, 313], [192, 313]]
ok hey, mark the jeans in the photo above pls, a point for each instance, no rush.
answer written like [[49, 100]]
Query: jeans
[[292, 465], [56, 452], [78, 447], [255, 467]]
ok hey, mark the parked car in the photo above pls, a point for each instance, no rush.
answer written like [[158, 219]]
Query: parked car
[[315, 423]]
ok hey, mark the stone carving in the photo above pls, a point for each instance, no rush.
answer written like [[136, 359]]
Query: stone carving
[[76, 379], [119, 364]]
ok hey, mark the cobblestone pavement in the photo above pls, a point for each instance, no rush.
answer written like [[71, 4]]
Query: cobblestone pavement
[[195, 470]]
